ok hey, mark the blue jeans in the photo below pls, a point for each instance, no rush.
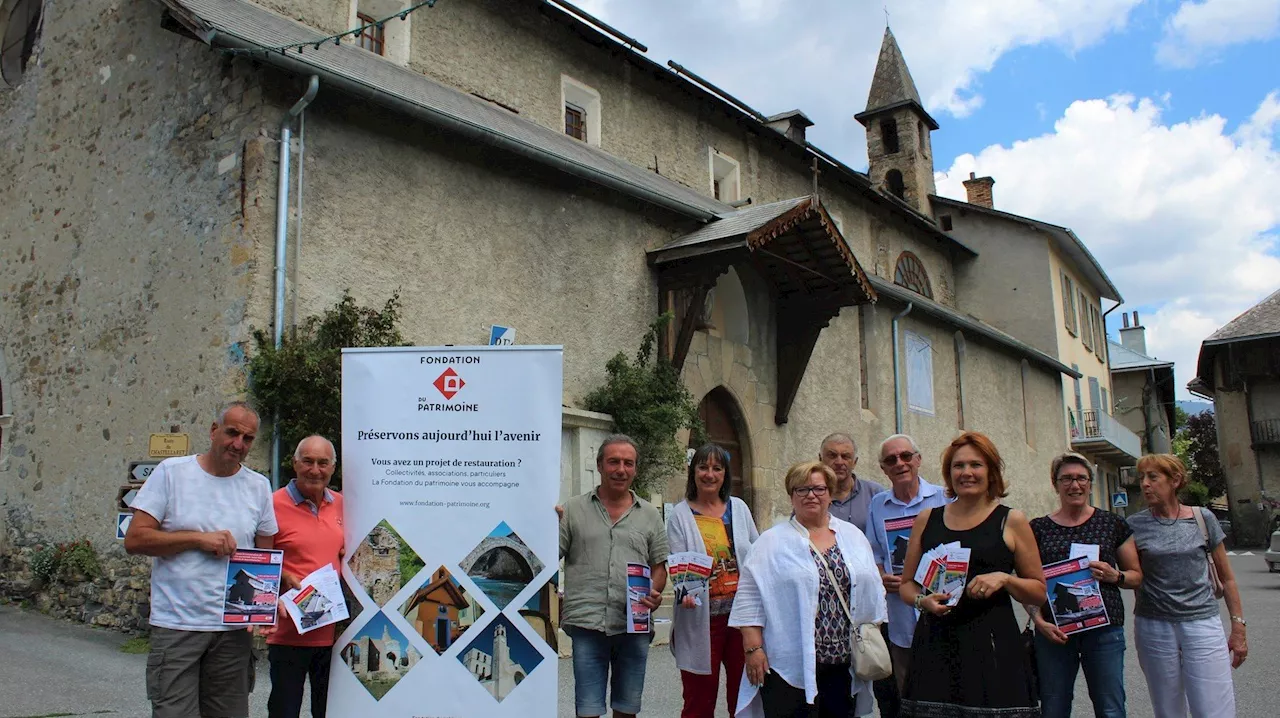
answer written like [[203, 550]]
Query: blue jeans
[[594, 656], [1101, 651]]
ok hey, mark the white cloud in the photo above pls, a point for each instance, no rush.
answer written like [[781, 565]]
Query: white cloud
[[818, 55], [1182, 216], [1199, 29]]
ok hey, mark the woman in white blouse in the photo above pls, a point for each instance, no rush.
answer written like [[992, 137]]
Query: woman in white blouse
[[712, 522], [796, 635]]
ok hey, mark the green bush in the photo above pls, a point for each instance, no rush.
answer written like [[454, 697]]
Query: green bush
[[65, 560], [301, 382], [1195, 494], [649, 403]]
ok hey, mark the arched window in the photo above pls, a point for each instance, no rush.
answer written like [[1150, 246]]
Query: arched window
[[19, 31], [910, 274], [893, 182]]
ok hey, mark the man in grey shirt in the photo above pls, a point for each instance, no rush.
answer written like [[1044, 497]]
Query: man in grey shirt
[[853, 495]]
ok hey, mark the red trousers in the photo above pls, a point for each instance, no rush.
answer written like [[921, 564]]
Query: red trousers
[[700, 691]]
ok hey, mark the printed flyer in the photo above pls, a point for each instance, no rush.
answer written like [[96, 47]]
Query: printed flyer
[[318, 603], [897, 535], [638, 586], [1075, 598], [451, 475], [253, 587]]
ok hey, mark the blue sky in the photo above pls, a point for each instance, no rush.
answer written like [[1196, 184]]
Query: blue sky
[[1147, 126]]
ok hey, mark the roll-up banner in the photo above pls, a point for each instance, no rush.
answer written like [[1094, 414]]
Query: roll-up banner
[[450, 472]]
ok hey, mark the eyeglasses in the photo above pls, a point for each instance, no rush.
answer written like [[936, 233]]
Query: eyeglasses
[[1068, 480], [892, 459], [810, 490]]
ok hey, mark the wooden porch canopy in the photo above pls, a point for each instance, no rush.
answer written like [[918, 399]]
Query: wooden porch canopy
[[795, 246]]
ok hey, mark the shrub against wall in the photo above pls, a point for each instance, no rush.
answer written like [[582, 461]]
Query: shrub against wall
[[301, 382]]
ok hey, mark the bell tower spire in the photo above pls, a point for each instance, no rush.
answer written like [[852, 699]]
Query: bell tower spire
[[899, 151]]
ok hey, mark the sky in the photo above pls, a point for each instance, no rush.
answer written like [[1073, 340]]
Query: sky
[[1150, 127]]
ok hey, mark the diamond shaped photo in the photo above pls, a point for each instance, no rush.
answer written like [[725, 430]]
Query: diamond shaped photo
[[500, 657], [379, 655], [441, 610], [501, 565], [384, 562], [542, 612]]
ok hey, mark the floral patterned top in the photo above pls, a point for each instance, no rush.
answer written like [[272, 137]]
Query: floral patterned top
[[831, 629], [1105, 530]]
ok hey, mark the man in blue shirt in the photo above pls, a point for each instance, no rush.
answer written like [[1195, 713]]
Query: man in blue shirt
[[853, 494], [889, 519]]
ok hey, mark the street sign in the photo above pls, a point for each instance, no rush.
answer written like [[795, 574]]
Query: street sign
[[140, 471], [122, 524], [166, 445], [501, 336], [1120, 499]]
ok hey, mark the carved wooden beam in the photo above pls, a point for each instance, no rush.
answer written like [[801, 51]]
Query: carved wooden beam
[[688, 322]]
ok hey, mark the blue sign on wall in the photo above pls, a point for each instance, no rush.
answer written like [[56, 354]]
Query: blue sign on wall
[[501, 336]]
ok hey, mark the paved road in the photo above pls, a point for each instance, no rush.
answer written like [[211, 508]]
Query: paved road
[[49, 667]]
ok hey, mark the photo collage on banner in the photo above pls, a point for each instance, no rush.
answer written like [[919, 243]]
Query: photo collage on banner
[[451, 473]]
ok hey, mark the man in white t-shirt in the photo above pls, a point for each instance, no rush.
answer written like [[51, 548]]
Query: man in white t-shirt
[[191, 514]]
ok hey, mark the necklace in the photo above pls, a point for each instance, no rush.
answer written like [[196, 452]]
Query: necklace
[[1177, 514]]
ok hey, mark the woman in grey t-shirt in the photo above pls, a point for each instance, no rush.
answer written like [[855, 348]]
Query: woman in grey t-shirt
[[1181, 647]]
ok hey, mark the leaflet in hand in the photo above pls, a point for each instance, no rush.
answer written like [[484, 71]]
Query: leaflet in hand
[[318, 602], [1075, 598], [639, 584], [252, 587], [897, 534], [1089, 550], [944, 570], [690, 575]]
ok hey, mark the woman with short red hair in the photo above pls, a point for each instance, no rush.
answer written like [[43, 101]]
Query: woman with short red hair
[[1176, 627], [968, 659]]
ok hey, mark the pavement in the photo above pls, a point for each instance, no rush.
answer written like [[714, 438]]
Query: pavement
[[52, 668]]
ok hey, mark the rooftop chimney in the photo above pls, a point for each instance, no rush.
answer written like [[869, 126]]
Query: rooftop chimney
[[1133, 338], [792, 124], [979, 190]]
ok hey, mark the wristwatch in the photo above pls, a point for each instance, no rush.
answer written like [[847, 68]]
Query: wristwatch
[[1120, 579], [1239, 620]]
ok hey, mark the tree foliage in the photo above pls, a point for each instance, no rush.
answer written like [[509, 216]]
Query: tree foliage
[[649, 403], [1196, 443], [301, 382]]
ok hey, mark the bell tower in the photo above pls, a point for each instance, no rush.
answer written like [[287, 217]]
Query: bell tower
[[899, 152]]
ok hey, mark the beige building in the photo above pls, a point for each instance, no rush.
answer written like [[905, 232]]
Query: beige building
[[1047, 289], [1239, 370], [497, 162]]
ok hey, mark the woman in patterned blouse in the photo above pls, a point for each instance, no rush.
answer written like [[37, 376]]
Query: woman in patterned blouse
[[807, 585], [1079, 526]]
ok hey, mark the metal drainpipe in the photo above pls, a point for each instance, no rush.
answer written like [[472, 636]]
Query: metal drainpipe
[[282, 240], [897, 373]]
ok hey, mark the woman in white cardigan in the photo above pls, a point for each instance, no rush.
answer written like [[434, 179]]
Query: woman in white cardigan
[[797, 637], [712, 522]]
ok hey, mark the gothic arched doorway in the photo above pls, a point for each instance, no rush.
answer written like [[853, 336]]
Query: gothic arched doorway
[[722, 418]]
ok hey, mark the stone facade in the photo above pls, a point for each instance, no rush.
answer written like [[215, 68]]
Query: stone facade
[[136, 244]]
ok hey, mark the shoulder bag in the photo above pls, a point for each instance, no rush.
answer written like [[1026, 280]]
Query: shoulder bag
[[871, 660], [1214, 580]]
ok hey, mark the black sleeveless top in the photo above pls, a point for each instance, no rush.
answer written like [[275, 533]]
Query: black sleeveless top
[[987, 553]]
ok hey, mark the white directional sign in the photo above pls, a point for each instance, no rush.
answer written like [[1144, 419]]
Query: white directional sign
[[140, 470]]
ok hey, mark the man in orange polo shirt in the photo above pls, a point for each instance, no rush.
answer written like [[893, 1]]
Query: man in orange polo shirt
[[310, 519]]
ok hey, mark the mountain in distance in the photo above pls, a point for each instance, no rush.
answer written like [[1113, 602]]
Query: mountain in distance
[[1195, 407]]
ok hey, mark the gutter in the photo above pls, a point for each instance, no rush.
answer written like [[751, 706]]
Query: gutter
[[299, 65], [282, 241], [897, 372]]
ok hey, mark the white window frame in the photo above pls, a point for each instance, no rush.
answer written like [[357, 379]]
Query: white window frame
[[919, 371], [585, 98], [728, 172], [396, 34]]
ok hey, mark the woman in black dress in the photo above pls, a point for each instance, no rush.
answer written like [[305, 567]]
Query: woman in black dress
[[968, 660]]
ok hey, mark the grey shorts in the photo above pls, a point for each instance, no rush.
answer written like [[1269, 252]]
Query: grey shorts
[[199, 673]]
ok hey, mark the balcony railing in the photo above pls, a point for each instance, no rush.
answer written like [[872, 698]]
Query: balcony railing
[[1095, 425], [1265, 431]]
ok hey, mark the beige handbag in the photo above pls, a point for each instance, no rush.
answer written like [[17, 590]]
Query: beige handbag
[[871, 660], [1214, 580]]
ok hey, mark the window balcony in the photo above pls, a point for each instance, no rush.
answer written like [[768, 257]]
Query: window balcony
[[1098, 434]]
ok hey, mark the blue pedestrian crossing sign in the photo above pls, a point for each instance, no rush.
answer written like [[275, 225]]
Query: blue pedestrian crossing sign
[[501, 336], [1120, 499], [122, 523]]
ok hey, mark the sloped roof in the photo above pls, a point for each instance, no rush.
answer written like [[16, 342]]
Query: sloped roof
[[891, 85], [1121, 358], [735, 223], [1260, 320], [239, 24], [1063, 238]]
